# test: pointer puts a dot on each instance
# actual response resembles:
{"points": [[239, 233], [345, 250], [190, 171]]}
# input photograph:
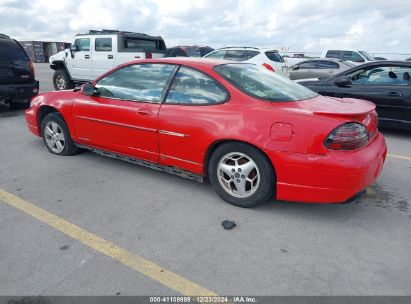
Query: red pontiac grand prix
{"points": [[255, 135]]}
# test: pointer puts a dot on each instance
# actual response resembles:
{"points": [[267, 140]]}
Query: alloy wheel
{"points": [[238, 174], [54, 137]]}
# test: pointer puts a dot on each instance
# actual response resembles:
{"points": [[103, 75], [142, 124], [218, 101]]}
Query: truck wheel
{"points": [[61, 80], [57, 136], [241, 174]]}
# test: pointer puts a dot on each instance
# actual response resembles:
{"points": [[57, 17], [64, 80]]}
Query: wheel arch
{"points": [[219, 142], [43, 112], [59, 65]]}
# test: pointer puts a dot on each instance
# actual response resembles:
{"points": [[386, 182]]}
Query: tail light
{"points": [[349, 136], [149, 55], [31, 66], [268, 67]]}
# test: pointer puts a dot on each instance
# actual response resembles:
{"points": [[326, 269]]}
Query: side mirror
{"points": [[88, 89], [342, 81], [73, 48], [295, 68]]}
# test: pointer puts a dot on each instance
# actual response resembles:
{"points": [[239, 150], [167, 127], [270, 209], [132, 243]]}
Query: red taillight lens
{"points": [[149, 55], [31, 65], [349, 136], [268, 67]]}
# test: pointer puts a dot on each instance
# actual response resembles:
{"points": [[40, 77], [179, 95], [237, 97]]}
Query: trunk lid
{"points": [[343, 109]]}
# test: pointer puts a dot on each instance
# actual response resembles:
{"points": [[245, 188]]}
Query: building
{"points": [[40, 51]]}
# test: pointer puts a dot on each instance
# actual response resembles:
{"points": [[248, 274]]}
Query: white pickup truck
{"points": [[97, 52]]}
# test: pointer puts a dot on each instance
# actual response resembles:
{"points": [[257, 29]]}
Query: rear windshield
{"points": [[10, 50], [261, 83], [274, 56], [134, 43]]}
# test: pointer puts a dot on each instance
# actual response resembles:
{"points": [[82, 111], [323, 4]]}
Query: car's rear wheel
{"points": [[61, 80], [57, 136], [241, 174]]}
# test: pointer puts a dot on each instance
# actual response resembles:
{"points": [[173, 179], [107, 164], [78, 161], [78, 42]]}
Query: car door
{"points": [[122, 116], [185, 119], [305, 70], [81, 60], [103, 55], [385, 85]]}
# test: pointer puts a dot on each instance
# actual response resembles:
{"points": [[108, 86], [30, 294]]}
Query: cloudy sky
{"points": [[300, 25]]}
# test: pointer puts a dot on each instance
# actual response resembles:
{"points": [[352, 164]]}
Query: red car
{"points": [[255, 135]]}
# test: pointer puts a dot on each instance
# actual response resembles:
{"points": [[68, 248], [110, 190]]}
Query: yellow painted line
{"points": [[146, 267], [399, 156]]}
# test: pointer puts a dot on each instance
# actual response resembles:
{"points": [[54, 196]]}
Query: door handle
{"points": [[394, 94], [144, 112], [87, 56], [110, 56]]}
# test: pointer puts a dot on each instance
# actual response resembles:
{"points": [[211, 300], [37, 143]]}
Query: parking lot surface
{"points": [[278, 248]]}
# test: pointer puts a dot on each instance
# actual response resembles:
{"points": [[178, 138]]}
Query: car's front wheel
{"points": [[241, 174], [57, 136]]}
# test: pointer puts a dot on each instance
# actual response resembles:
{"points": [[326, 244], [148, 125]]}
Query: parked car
{"points": [[318, 68], [17, 78], [97, 52], [385, 83], [188, 51], [255, 135], [268, 58], [355, 56]]}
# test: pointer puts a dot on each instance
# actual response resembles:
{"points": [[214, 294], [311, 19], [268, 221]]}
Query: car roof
{"points": [[385, 62], [250, 48], [4, 36]]}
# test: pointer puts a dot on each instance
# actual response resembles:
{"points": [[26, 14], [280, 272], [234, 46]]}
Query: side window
{"points": [[83, 44], [352, 56], [274, 56], [103, 44], [216, 55], [251, 54], [138, 44], [383, 75], [333, 54], [236, 55], [307, 65], [192, 87], [140, 82], [327, 65]]}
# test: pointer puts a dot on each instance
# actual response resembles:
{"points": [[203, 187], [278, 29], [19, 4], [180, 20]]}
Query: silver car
{"points": [[318, 68]]}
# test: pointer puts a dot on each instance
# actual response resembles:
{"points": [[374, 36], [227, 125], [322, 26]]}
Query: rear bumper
{"points": [[332, 178], [19, 92]]}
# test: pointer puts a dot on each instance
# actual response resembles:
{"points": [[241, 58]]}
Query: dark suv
{"points": [[17, 82]]}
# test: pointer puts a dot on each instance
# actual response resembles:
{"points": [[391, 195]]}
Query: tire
{"points": [[56, 135], [61, 80], [19, 105], [253, 172]]}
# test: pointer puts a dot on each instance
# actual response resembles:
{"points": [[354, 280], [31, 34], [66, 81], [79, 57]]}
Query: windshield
{"points": [[261, 83], [367, 56]]}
